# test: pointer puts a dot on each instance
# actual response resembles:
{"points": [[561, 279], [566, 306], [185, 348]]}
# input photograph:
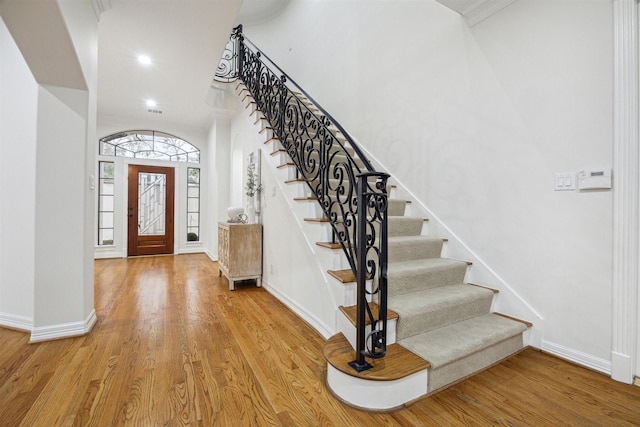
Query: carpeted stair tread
{"points": [[416, 275], [404, 225], [438, 307], [396, 207], [407, 248], [453, 342]]}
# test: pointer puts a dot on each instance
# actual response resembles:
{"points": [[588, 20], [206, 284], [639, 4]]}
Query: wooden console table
{"points": [[240, 252]]}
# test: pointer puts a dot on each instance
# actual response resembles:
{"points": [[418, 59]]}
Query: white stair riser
{"points": [[377, 395], [471, 364]]}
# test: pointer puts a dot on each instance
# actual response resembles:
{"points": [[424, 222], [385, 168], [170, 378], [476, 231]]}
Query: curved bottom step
{"points": [[400, 377], [463, 348]]}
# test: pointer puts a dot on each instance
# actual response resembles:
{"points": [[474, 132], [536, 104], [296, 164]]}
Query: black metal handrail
{"points": [[353, 195]]}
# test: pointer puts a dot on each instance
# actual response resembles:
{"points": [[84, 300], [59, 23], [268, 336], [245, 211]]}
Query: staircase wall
{"points": [[292, 269], [474, 123]]}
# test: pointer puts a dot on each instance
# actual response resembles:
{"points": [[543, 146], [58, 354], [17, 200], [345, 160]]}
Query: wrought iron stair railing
{"points": [[352, 194]]}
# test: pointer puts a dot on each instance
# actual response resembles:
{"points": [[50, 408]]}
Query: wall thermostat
{"points": [[595, 179]]}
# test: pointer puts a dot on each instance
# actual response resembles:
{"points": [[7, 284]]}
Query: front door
{"points": [[150, 210]]}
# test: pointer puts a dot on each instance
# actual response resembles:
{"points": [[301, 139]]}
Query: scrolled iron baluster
{"points": [[229, 66], [356, 207]]}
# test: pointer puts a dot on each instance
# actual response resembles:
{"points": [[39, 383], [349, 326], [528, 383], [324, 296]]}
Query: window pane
{"points": [[106, 203], [193, 205], [105, 236], [121, 152], [106, 169], [106, 219], [193, 176], [148, 144], [151, 203], [106, 187], [193, 220], [192, 234], [107, 149], [193, 191]]}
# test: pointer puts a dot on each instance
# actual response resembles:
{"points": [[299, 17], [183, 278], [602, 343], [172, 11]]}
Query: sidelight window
{"points": [[193, 204], [105, 203]]}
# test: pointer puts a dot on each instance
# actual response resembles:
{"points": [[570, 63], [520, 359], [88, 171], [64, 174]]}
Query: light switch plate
{"points": [[565, 181]]}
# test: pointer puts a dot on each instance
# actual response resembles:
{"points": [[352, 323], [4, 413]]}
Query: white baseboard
{"points": [[63, 330], [108, 253], [20, 323], [192, 249], [211, 256], [313, 321], [572, 355]]}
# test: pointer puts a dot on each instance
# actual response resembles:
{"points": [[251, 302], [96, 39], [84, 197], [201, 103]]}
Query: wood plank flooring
{"points": [[173, 346]]}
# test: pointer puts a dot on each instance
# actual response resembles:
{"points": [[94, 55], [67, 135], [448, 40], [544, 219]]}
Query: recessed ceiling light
{"points": [[151, 103], [144, 59]]}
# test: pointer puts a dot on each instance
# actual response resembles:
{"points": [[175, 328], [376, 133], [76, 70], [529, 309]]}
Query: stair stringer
{"points": [[301, 292]]}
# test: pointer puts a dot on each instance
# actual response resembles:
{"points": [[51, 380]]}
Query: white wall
{"points": [[61, 122], [475, 122], [82, 25], [60, 216], [18, 105]]}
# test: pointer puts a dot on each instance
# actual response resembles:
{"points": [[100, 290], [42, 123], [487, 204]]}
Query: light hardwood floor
{"points": [[173, 346]]}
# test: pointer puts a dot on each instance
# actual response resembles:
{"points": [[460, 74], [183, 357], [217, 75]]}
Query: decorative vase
{"points": [[251, 212]]}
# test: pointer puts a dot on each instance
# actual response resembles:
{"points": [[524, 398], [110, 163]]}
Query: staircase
{"points": [[440, 329]]}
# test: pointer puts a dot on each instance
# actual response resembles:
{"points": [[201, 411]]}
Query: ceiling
{"points": [[184, 40]]}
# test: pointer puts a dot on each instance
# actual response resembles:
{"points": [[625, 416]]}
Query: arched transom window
{"points": [[149, 144]]}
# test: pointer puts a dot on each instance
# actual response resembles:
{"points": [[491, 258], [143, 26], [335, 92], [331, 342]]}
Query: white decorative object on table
{"points": [[235, 214]]}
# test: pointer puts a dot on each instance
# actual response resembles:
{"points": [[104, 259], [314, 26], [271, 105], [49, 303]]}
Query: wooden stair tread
{"points": [[294, 181], [260, 118], [316, 219], [495, 291], [305, 199], [285, 165], [330, 245], [351, 313], [278, 151], [527, 323], [343, 276], [398, 362]]}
